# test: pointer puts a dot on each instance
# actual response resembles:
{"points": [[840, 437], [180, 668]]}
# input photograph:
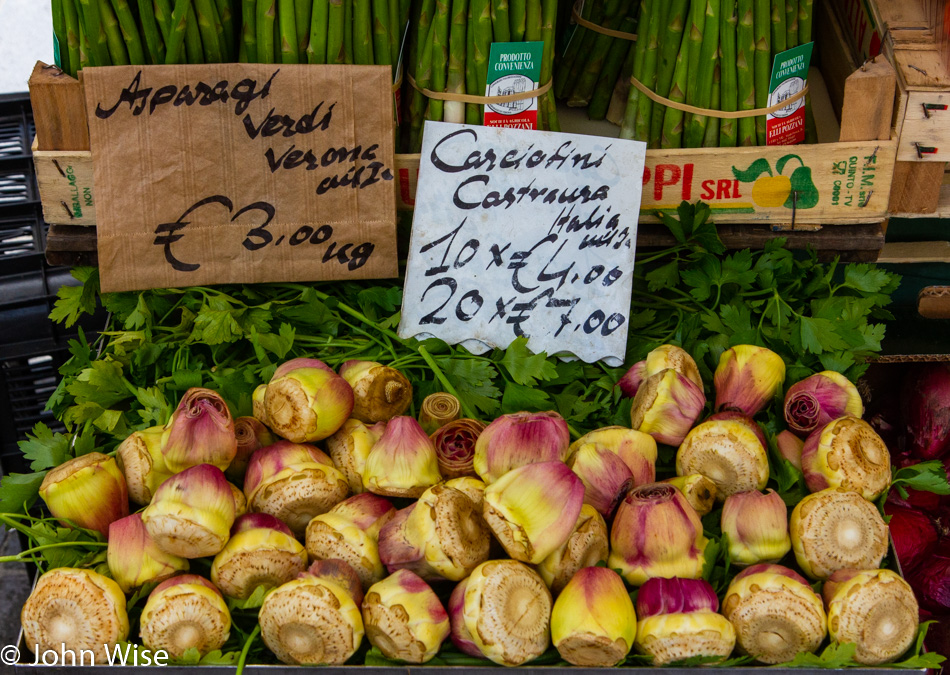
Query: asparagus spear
{"points": [[745, 50], [672, 136], [363, 36], [517, 14], [481, 21], [98, 49], [130, 32], [395, 34], [85, 49], [584, 85], [711, 137], [417, 102], [335, 22], [423, 81], [154, 45], [639, 57], [778, 27], [175, 42], [791, 24], [319, 20], [642, 118], [381, 31], [249, 29], [471, 81], [671, 31], [455, 82], [59, 32], [572, 52], [549, 9], [266, 15], [728, 92], [762, 63], [695, 29], [695, 130], [118, 53], [207, 20], [302, 11], [194, 51], [226, 23], [566, 78], [440, 57], [804, 21], [163, 15], [348, 32], [613, 64], [500, 21], [73, 25]]}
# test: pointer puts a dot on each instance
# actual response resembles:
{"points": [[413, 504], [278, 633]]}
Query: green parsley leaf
{"points": [[18, 491], [518, 397], [44, 449], [527, 368], [473, 380], [833, 656], [666, 276], [818, 335]]}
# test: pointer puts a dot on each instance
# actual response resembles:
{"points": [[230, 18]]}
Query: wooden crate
{"points": [[900, 30], [849, 182]]}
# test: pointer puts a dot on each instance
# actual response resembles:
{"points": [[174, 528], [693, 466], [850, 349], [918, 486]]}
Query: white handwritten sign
{"points": [[524, 233]]}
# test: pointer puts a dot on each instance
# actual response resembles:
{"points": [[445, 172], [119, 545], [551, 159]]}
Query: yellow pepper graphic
{"points": [[775, 189]]}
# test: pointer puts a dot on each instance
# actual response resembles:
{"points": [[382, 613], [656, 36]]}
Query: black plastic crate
{"points": [[22, 230]]}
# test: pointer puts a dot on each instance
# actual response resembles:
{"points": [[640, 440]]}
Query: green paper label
{"points": [[513, 68], [789, 75]]}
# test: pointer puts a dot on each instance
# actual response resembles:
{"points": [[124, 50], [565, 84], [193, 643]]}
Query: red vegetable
{"points": [[914, 535], [931, 581], [926, 411]]}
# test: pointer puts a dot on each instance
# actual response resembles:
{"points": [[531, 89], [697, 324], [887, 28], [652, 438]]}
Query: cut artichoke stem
{"points": [[507, 612], [140, 458], [728, 453], [404, 619], [874, 609], [775, 613], [332, 536], [293, 483], [185, 612], [452, 533], [308, 403], [350, 446], [191, 513], [593, 622], [257, 557], [379, 392], [847, 453], [678, 636], [837, 529], [311, 620], [75, 610], [473, 488], [587, 546]]}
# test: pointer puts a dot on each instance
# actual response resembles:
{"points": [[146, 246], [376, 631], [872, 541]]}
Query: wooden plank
{"points": [[59, 109], [943, 204], [925, 135], [65, 180], [868, 108], [915, 187], [921, 68], [909, 252]]}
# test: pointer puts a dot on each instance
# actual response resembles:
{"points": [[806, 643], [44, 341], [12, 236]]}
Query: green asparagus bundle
{"points": [[708, 54], [591, 62], [449, 47], [144, 32]]}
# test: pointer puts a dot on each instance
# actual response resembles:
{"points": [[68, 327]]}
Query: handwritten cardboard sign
{"points": [[239, 173], [524, 233]]}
